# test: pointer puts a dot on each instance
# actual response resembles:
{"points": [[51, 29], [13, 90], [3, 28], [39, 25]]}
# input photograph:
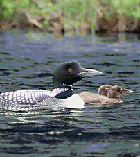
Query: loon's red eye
{"points": [[70, 70]]}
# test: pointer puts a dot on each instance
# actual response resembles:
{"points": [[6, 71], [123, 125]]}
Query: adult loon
{"points": [[61, 96], [107, 95]]}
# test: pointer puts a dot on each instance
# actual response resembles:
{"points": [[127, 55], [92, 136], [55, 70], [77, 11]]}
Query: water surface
{"points": [[28, 58]]}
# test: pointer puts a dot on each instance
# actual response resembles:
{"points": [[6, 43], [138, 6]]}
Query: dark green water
{"points": [[27, 61]]}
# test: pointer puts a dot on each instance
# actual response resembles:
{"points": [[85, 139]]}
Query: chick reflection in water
{"points": [[107, 95]]}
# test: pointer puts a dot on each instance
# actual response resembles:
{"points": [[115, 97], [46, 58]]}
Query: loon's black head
{"points": [[70, 72]]}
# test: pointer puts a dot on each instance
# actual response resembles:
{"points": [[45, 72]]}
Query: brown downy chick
{"points": [[107, 94], [116, 92], [103, 90]]}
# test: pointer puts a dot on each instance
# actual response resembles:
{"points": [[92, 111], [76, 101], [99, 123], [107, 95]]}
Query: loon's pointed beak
{"points": [[89, 72]]}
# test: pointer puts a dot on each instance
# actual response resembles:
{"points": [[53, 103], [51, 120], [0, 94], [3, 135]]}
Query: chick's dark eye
{"points": [[107, 89]]}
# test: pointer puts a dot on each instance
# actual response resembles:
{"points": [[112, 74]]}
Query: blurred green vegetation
{"points": [[128, 7], [75, 11]]}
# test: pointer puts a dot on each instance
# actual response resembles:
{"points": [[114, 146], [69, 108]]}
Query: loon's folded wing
{"points": [[27, 100]]}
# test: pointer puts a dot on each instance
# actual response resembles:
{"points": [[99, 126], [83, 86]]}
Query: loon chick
{"points": [[107, 94], [103, 90], [61, 96]]}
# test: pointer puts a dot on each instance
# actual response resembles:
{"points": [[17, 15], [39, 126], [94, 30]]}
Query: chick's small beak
{"points": [[129, 91]]}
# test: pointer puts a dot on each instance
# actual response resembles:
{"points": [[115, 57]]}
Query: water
{"points": [[28, 58]]}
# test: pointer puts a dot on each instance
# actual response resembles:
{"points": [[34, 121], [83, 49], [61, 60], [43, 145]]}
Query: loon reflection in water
{"points": [[61, 96]]}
